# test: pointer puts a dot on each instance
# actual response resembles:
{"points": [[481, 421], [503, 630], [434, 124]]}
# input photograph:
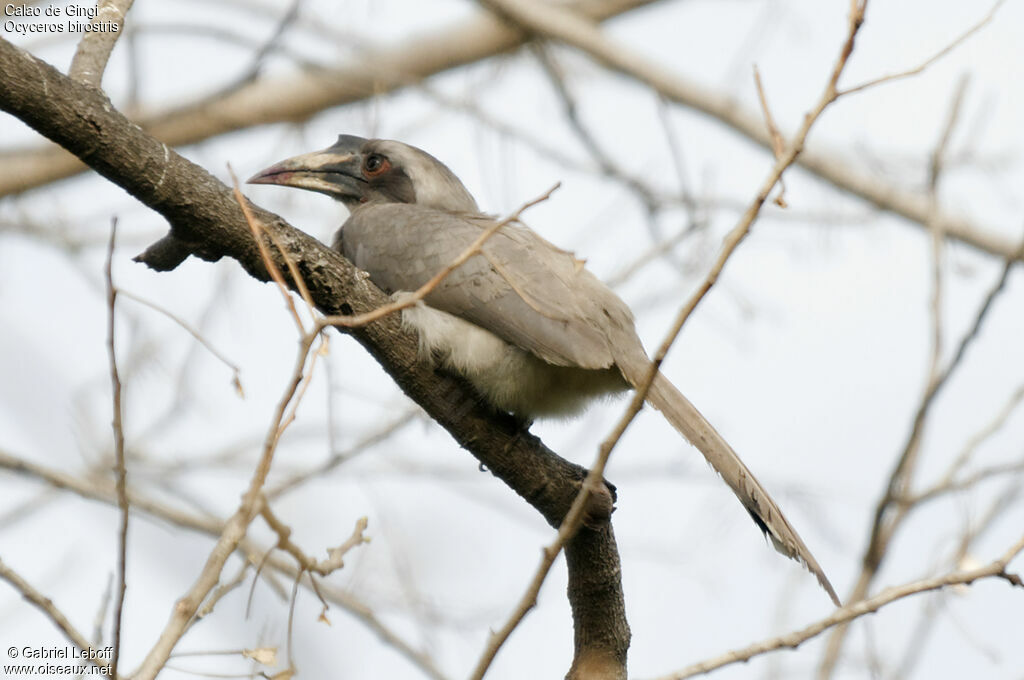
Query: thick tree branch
{"points": [[206, 221], [299, 96], [384, 70]]}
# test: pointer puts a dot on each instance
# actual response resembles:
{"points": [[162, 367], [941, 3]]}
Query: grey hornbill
{"points": [[530, 328]]}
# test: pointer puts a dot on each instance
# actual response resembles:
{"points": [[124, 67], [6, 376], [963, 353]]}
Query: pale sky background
{"points": [[810, 355]]}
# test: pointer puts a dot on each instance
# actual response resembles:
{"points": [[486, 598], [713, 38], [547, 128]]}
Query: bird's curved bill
{"points": [[335, 171]]}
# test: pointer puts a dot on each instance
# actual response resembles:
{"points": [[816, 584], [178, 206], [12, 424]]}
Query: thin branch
{"points": [[263, 656], [308, 337], [932, 59], [940, 154], [778, 144], [336, 459], [236, 371], [965, 455], [209, 223], [291, 620], [936, 167], [600, 157], [965, 483], [675, 153], [220, 591], [307, 379], [786, 159], [293, 270], [410, 299], [100, 490], [101, 611], [256, 227], [889, 512], [45, 605], [234, 530], [897, 481], [995, 569], [558, 23], [90, 60], [121, 469], [570, 525], [306, 563], [385, 69], [273, 43], [376, 71]]}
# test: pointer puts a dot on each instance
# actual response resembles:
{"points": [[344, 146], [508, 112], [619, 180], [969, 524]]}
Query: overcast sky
{"points": [[810, 355]]}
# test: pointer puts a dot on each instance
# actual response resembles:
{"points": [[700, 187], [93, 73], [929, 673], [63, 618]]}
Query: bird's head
{"points": [[357, 171]]}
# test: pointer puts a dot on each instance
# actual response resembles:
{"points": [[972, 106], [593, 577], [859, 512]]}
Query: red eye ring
{"points": [[375, 165]]}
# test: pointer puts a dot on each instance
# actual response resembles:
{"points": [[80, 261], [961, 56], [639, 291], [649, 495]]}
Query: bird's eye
{"points": [[375, 164]]}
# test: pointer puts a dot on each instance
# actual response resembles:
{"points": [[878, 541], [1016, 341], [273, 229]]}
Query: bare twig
{"points": [[264, 656], [235, 370], [258, 231], [122, 472], [889, 512], [293, 270], [410, 299], [674, 150], [375, 72], [629, 269], [932, 59], [936, 167], [273, 43], [570, 525], [101, 490], [233, 532], [556, 22], [995, 569], [336, 459], [307, 379], [220, 591], [308, 338], [382, 70], [101, 611], [236, 527], [334, 560], [940, 154], [46, 606], [962, 459], [947, 486], [291, 620], [778, 144], [787, 158], [90, 60], [604, 161]]}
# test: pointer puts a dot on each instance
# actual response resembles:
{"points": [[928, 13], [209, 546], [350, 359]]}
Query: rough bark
{"points": [[299, 96], [206, 221]]}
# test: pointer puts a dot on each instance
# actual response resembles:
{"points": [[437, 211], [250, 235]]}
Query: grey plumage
{"points": [[533, 330]]}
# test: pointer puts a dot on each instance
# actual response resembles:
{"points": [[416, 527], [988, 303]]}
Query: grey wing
{"points": [[523, 289]]}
